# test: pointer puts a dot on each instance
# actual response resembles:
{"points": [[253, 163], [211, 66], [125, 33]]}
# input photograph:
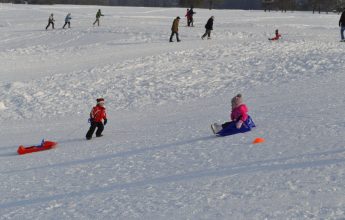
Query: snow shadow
{"points": [[8, 151], [110, 156], [186, 177], [9, 154], [9, 148], [69, 141]]}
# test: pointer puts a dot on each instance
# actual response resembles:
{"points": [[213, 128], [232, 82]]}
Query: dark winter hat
{"points": [[178, 17], [100, 100]]}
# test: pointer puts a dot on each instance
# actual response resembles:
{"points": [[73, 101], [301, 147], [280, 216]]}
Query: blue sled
{"points": [[231, 128]]}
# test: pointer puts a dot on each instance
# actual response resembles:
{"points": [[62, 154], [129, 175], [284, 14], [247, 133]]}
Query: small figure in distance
{"points": [[67, 20], [174, 29], [190, 17], [209, 28], [51, 21], [277, 37], [98, 15]]}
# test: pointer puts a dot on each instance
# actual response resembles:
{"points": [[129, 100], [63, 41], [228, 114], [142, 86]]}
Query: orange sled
{"points": [[46, 145]]}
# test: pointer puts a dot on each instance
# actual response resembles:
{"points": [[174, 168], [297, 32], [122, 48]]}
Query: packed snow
{"points": [[158, 158]]}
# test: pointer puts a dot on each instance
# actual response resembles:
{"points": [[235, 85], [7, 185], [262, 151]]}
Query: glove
{"points": [[239, 124], [105, 121]]}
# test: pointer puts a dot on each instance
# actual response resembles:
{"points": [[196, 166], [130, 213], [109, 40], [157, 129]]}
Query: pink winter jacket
{"points": [[239, 113]]}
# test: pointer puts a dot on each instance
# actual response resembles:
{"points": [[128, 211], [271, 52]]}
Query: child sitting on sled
{"points": [[240, 120], [277, 37], [98, 118]]}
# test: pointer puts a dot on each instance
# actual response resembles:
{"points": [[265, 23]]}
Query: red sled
{"points": [[45, 145]]}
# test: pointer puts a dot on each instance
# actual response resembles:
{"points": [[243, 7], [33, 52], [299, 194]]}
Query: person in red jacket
{"points": [[98, 118]]}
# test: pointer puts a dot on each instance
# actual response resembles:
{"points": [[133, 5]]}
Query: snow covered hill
{"points": [[158, 158]]}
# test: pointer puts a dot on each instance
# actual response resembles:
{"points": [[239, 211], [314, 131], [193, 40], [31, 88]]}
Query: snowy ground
{"points": [[158, 158]]}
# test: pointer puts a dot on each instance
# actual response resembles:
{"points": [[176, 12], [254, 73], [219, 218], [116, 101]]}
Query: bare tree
{"points": [[187, 3], [267, 4], [213, 2]]}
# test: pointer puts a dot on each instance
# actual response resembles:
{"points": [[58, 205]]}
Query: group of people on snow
{"points": [[190, 23], [51, 20], [174, 28]]}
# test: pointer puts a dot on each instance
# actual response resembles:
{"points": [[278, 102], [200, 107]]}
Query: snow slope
{"points": [[158, 158]]}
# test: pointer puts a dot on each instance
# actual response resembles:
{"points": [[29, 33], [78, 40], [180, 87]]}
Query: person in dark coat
{"points": [[98, 16], [174, 29], [51, 21], [209, 28], [342, 26]]}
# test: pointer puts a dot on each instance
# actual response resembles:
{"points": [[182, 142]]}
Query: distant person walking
{"points": [[209, 28], [98, 15], [190, 18], [67, 20], [51, 21], [342, 26], [174, 29]]}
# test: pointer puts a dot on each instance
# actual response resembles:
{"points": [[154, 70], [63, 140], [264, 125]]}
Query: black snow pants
{"points": [[94, 125], [207, 33], [69, 24], [172, 35], [49, 25]]}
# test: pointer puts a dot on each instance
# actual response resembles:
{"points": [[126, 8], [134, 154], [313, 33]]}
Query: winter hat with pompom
{"points": [[236, 101], [100, 100]]}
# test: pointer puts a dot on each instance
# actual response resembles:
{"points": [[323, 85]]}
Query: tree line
{"points": [[307, 5], [153, 3], [317, 6]]}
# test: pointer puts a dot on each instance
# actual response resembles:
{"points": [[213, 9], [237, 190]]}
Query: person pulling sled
{"points": [[240, 121], [98, 118]]}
